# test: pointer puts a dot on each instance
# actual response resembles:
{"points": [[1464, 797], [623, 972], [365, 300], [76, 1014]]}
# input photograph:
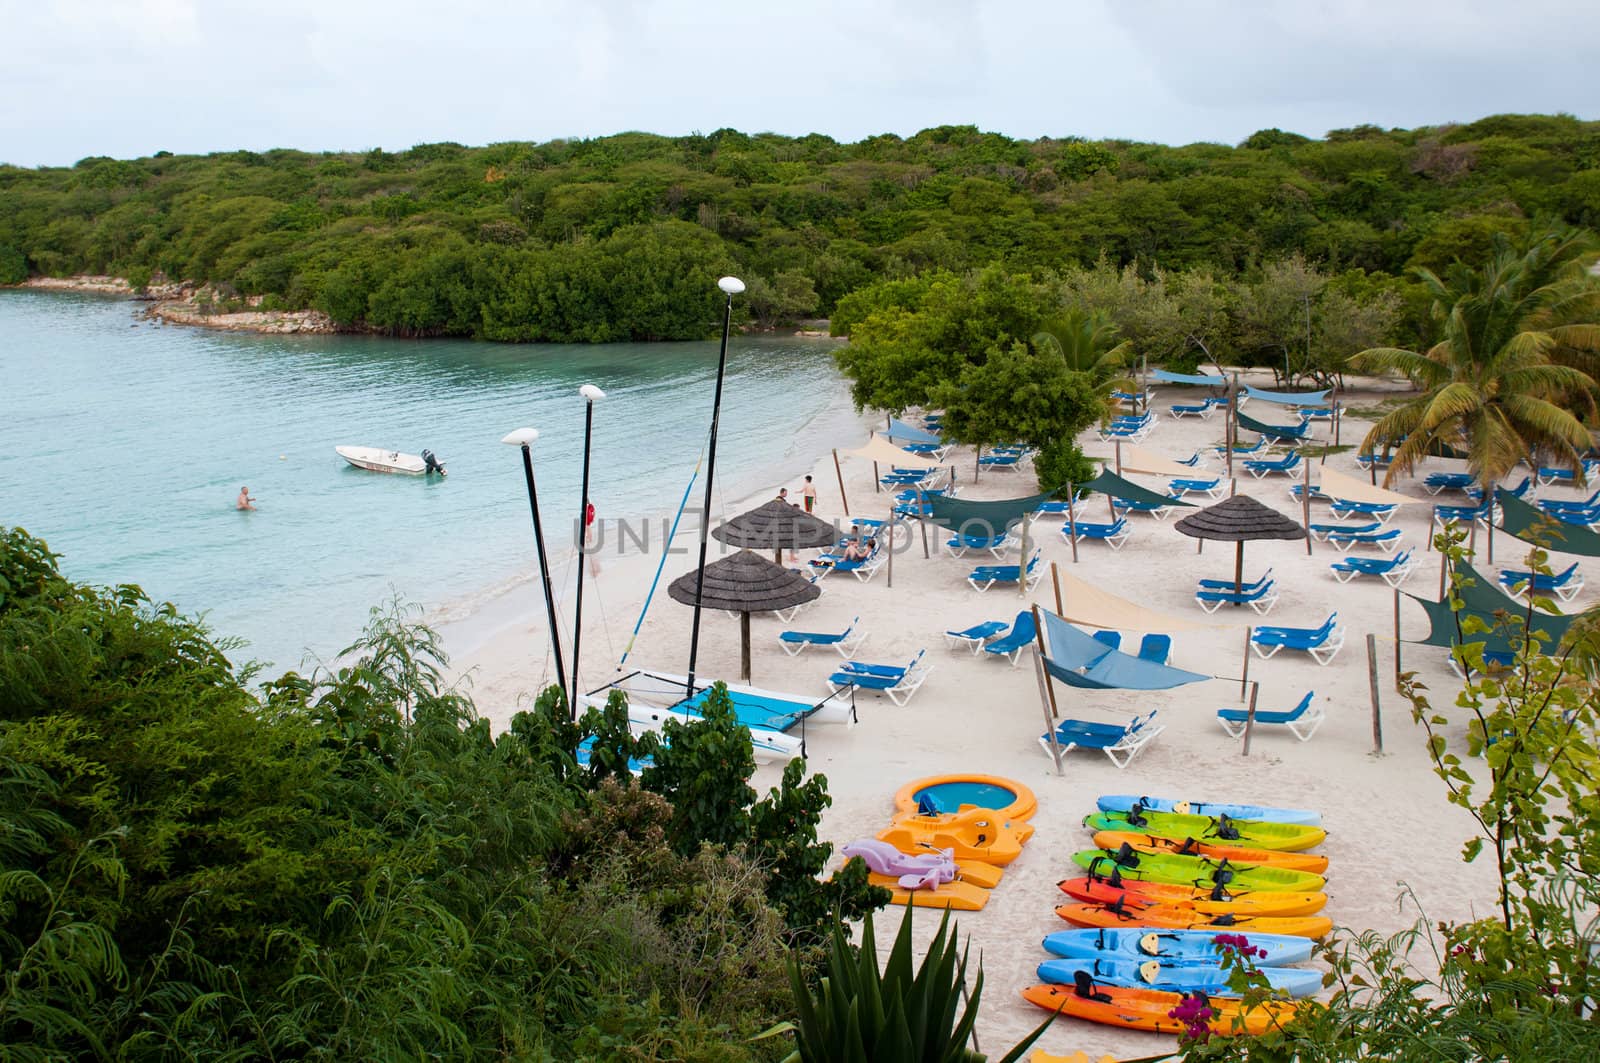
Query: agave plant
{"points": [[1499, 382], [908, 1013]]}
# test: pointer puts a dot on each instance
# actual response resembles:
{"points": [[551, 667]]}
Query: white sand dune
{"points": [[1387, 818]]}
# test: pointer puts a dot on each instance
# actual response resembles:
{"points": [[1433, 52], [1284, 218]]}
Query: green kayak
{"points": [[1198, 871], [1254, 833]]}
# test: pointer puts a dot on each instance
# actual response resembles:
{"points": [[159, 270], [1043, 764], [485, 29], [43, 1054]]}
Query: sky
{"points": [[127, 78]]}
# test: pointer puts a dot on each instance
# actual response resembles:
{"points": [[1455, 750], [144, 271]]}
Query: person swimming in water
{"points": [[244, 501]]}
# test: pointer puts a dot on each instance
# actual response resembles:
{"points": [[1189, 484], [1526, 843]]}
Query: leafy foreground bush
{"points": [[351, 866]]}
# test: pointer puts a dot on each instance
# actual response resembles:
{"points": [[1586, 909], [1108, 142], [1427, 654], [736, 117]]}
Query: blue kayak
{"points": [[1153, 974], [1124, 802], [1173, 947]]}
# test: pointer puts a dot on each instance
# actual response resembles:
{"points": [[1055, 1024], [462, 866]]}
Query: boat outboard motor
{"points": [[432, 464]]}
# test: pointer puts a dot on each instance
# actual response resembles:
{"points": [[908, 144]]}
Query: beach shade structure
{"points": [[1481, 599], [777, 526], [1210, 380], [987, 519], [1238, 520], [1529, 524], [1288, 398], [743, 583], [905, 433]]}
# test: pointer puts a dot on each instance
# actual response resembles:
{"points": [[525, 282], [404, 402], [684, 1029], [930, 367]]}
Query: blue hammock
{"points": [[1078, 659]]}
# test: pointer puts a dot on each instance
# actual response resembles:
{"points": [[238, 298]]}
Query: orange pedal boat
{"points": [[972, 833], [1148, 1009], [1210, 902]]}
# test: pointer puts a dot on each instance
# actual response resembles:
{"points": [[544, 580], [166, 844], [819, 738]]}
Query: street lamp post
{"points": [[730, 286], [524, 438], [591, 394]]}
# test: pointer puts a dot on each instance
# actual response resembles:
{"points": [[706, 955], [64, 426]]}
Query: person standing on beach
{"points": [[809, 493], [244, 501]]}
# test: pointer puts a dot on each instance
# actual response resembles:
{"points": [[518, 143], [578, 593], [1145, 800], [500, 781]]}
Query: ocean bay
{"points": [[126, 442]]}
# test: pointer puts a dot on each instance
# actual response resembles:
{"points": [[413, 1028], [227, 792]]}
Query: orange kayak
{"points": [[1239, 854], [1170, 917], [1148, 1009], [1145, 894]]}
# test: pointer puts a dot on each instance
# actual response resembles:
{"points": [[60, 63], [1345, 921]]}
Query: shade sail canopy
{"points": [[1205, 379], [906, 433], [1275, 431], [883, 452], [1351, 489], [1288, 398], [1079, 660], [1109, 483], [777, 525], [982, 518], [1084, 603], [1238, 519], [746, 582], [1138, 459], [1482, 599], [1533, 526]]}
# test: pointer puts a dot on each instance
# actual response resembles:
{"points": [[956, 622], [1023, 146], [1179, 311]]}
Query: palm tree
{"points": [[1087, 341], [1514, 336]]}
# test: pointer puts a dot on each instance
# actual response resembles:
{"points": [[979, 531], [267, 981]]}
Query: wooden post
{"points": [[1397, 639], [888, 543], [840, 474], [1022, 561], [876, 476], [1250, 719], [1117, 449], [1055, 578], [1233, 486], [1337, 410], [744, 646], [922, 518], [1230, 431], [1444, 563], [1072, 522], [1305, 505], [1244, 675], [1047, 694], [1490, 528], [1372, 685]]}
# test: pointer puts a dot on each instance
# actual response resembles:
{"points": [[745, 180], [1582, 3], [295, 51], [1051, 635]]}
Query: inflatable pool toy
{"points": [[1124, 802], [1171, 917], [961, 896], [885, 859], [1210, 901], [949, 793], [1174, 978], [1149, 1009], [1197, 871], [1254, 833], [971, 834], [1155, 843], [1171, 946]]}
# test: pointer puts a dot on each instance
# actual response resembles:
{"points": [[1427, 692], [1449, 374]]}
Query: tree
{"points": [[1491, 384]]}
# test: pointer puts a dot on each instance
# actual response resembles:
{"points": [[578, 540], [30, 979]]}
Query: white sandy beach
{"points": [[1387, 817]]}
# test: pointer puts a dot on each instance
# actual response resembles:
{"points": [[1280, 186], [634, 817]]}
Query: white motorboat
{"points": [[379, 460]]}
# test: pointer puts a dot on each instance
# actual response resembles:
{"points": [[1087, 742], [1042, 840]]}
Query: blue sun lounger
{"points": [[976, 636], [1322, 643], [1565, 585], [1481, 513], [1380, 511], [1393, 570], [1302, 720], [846, 641], [1320, 532], [1261, 598], [1113, 534], [985, 576], [1019, 638], [1435, 482], [1551, 474], [1386, 540], [958, 545], [1009, 462], [1158, 510], [1264, 467], [1155, 647], [1211, 488], [1227, 584], [1120, 743], [897, 682], [1553, 505], [1375, 461]]}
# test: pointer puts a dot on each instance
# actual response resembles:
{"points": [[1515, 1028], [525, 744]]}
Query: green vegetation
{"points": [[351, 866], [620, 237], [1519, 346]]}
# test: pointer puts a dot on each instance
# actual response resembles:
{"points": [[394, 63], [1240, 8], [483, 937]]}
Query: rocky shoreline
{"points": [[188, 303]]}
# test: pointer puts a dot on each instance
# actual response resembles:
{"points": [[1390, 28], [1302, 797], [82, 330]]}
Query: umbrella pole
{"points": [[1072, 522], [876, 486], [1118, 451], [1055, 578], [840, 474], [744, 646], [1305, 505], [1397, 671], [1238, 570], [1022, 562], [888, 543]]}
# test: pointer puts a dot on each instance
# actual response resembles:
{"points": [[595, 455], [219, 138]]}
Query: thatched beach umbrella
{"points": [[1237, 520], [745, 583], [777, 526]]}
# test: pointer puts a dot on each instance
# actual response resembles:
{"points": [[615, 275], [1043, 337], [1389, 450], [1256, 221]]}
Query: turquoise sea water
{"points": [[123, 444]]}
